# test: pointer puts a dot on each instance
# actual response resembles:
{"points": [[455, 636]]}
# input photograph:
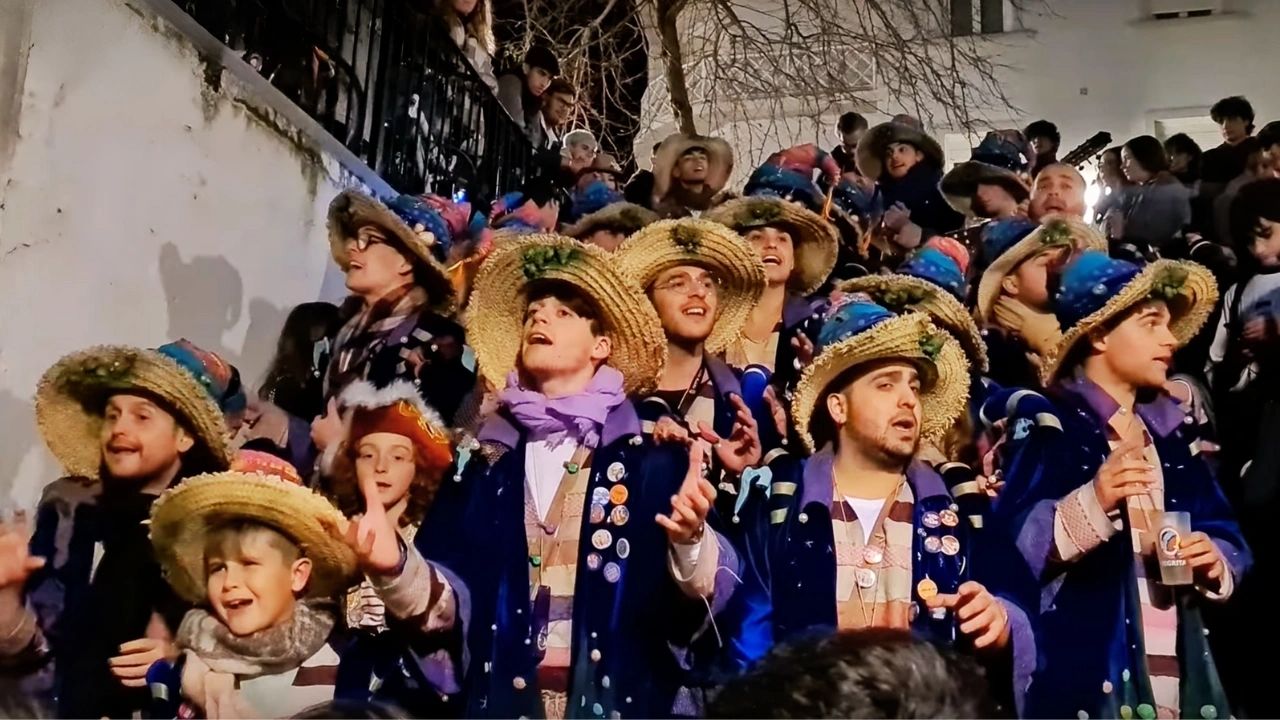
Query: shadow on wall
{"points": [[205, 297], [18, 418]]}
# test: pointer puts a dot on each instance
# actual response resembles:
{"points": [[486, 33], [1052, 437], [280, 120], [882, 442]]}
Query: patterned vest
{"points": [[873, 580]]}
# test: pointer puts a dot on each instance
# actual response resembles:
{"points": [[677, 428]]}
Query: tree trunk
{"points": [[668, 12]]}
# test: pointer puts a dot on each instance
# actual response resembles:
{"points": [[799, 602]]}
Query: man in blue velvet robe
{"points": [[1089, 474], [861, 535], [566, 568]]}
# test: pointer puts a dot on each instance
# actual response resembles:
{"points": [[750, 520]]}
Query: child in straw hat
{"points": [[83, 608], [257, 554], [386, 472], [861, 535], [569, 551], [1088, 479]]}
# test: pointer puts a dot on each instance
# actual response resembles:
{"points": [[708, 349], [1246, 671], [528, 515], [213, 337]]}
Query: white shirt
{"points": [[544, 469], [868, 511]]}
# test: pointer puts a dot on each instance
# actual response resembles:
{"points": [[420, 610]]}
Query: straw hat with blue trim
{"points": [[857, 331], [1094, 289], [71, 398], [1006, 244]]}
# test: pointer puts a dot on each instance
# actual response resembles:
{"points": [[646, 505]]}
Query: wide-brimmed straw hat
{"points": [[495, 323], [668, 243], [1009, 243], [71, 398], [872, 146], [816, 242], [182, 518], [1095, 288], [719, 161], [858, 331], [415, 224], [931, 282], [624, 218], [997, 160]]}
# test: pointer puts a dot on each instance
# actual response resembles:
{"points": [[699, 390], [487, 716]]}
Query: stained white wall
{"points": [[146, 193]]}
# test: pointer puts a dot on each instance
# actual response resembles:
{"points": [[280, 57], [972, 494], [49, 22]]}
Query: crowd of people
{"points": [[870, 438]]}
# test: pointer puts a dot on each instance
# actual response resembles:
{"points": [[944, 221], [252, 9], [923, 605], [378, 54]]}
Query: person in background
{"points": [[557, 106], [520, 90], [907, 165], [878, 673], [1044, 139], [1269, 139], [295, 378], [1115, 187], [84, 608], [609, 226], [1058, 190], [990, 184], [470, 26], [851, 127], [1087, 482], [689, 172], [1254, 168], [1221, 165], [1157, 206], [1184, 159]]}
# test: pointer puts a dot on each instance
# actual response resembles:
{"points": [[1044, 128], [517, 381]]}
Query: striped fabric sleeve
{"points": [[419, 591], [1080, 524]]}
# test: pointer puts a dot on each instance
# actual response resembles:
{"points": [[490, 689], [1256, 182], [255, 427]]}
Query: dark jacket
{"points": [[630, 637], [1089, 611], [918, 190], [639, 189]]}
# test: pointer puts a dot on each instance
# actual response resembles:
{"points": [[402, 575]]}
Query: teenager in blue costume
{"points": [[862, 534], [907, 166], [1014, 310], [703, 279], [1086, 479], [567, 566], [798, 249], [84, 610], [993, 183]]}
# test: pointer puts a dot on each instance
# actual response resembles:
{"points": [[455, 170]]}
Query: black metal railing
{"points": [[385, 79]]}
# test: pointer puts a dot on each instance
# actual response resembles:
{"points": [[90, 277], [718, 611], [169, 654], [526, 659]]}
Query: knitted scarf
{"points": [[366, 334], [268, 652], [578, 417]]}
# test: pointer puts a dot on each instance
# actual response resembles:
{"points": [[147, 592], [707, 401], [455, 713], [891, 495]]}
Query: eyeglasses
{"points": [[687, 285], [365, 237]]}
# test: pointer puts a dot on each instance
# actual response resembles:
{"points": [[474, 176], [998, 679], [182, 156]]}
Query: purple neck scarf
{"points": [[577, 417]]}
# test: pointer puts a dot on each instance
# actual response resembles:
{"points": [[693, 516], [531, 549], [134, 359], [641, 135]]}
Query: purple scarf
{"points": [[578, 417]]}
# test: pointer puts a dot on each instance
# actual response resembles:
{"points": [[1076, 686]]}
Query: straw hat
{"points": [[182, 518], [1096, 288], [416, 225], [624, 217], [1008, 243], [719, 161], [872, 146], [495, 322], [816, 242], [997, 160], [930, 282], [71, 398], [668, 243], [857, 332]]}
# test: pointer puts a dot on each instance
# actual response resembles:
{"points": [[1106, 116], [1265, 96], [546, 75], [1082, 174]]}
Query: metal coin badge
{"points": [[932, 544], [601, 539], [926, 589], [950, 544], [615, 472], [865, 578], [949, 518], [931, 520]]}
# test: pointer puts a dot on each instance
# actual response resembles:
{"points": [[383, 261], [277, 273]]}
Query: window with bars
{"points": [[979, 17]]}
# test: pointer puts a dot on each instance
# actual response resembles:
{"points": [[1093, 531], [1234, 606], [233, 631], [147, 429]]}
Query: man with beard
{"points": [[573, 558], [1088, 482], [861, 535], [84, 610], [1058, 190]]}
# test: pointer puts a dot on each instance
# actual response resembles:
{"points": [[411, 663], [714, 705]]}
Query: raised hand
{"points": [[690, 506], [669, 430], [980, 615], [16, 562], [742, 449], [371, 536], [1124, 475], [326, 430], [803, 348]]}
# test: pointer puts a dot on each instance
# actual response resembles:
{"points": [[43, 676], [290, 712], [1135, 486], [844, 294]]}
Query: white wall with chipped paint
{"points": [[147, 193]]}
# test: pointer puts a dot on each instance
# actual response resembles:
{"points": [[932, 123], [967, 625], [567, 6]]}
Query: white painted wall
{"points": [[1092, 65], [141, 203]]}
